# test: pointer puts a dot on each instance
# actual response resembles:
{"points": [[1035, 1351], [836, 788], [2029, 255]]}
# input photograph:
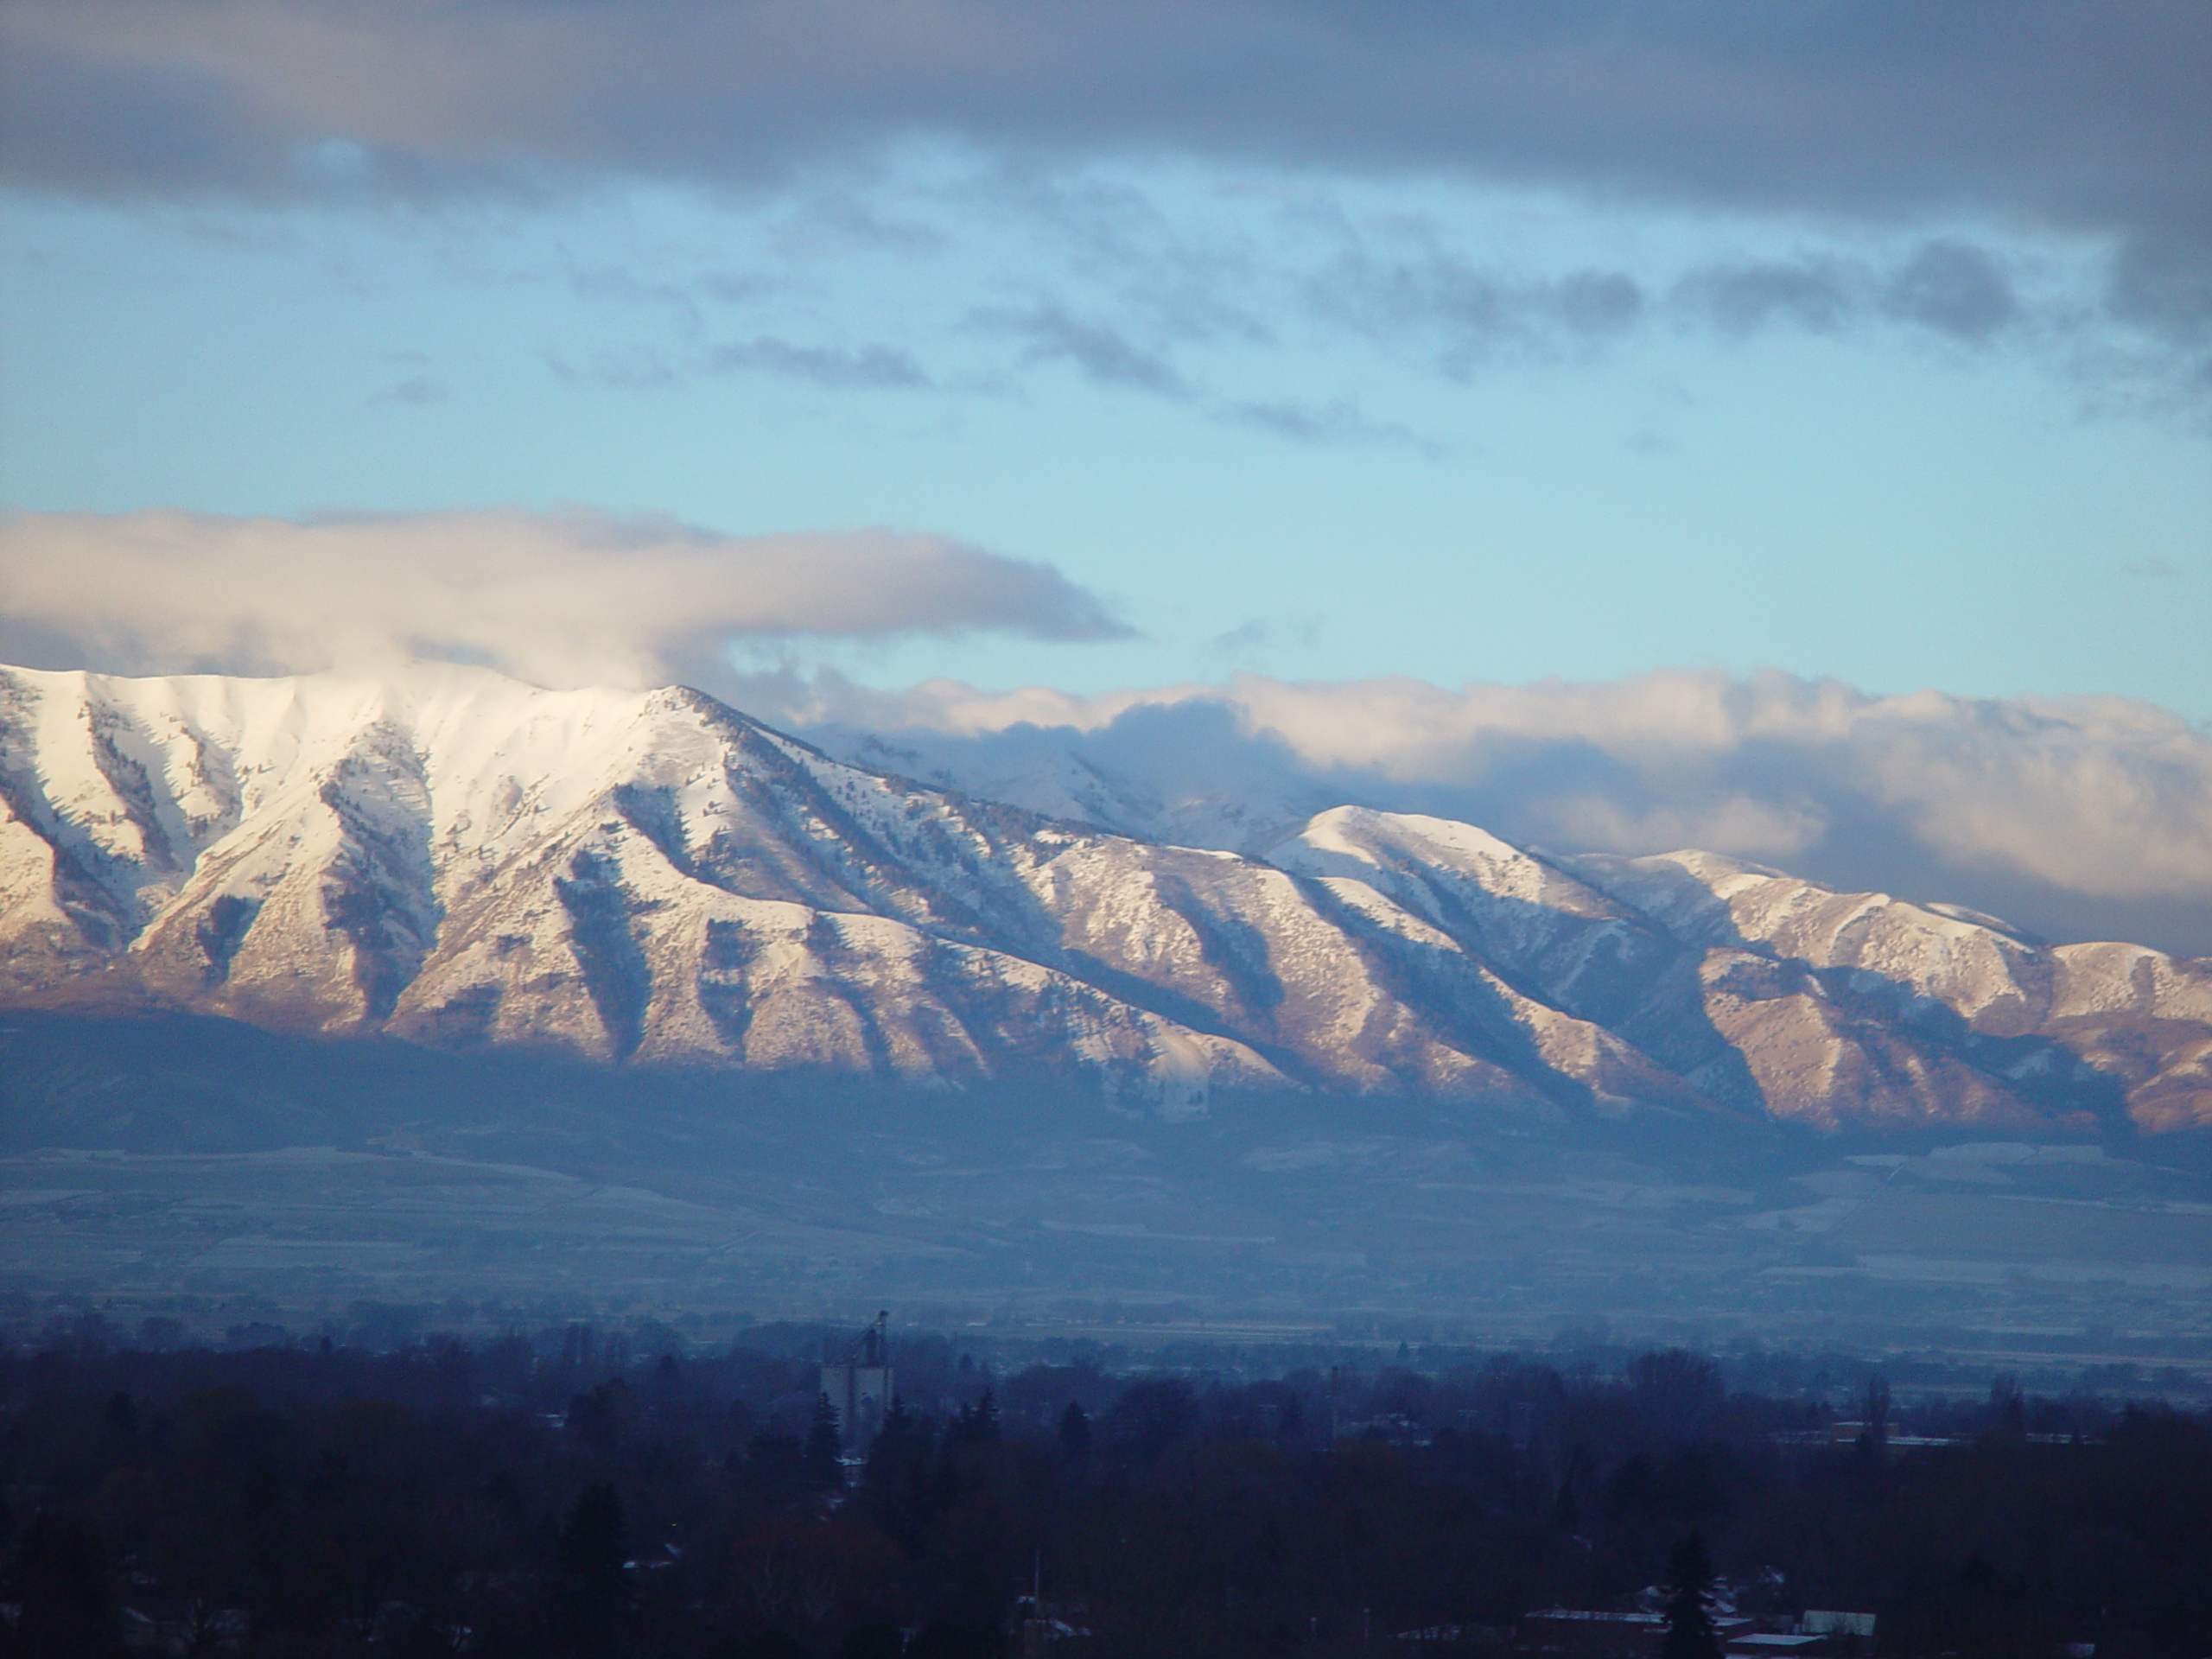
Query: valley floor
{"points": [[182, 1178]]}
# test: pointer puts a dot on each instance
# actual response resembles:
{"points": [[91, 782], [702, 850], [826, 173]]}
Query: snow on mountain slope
{"points": [[1957, 986], [455, 858], [1576, 948], [1922, 959]]}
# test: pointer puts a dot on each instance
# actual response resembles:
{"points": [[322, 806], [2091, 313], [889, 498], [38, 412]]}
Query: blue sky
{"points": [[1319, 426]]}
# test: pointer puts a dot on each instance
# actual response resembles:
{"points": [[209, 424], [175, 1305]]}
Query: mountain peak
{"points": [[452, 857]]}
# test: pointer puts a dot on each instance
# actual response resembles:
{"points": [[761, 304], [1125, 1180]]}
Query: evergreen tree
{"points": [[900, 1444], [592, 1545], [823, 1443], [895, 1482], [59, 1587], [1690, 1595], [593, 1585], [975, 1425], [1075, 1432]]}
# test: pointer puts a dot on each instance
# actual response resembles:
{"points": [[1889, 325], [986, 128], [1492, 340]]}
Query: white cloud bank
{"points": [[2078, 817], [566, 598]]}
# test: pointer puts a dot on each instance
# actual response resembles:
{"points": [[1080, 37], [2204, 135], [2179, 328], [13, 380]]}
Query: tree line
{"points": [[571, 1494]]}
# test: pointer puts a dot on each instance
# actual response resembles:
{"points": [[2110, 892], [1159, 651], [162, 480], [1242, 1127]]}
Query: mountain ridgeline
{"points": [[460, 861]]}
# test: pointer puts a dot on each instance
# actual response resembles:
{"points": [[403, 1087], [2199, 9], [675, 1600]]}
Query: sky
{"points": [[826, 351]]}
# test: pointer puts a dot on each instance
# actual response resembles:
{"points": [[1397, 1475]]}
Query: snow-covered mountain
{"points": [[455, 858]]}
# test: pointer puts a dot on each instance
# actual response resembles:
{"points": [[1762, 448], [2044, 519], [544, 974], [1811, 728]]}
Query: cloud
{"points": [[2041, 112], [873, 367], [636, 368], [1597, 301], [416, 391], [2078, 817], [1459, 313], [1102, 354], [1338, 420], [1816, 295], [1945, 284], [1954, 289], [2164, 281], [865, 368], [1463, 314], [565, 598], [1263, 636]]}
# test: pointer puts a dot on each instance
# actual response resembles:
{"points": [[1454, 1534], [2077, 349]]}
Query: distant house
{"points": [[1821, 1622], [1572, 1631], [1818, 1634]]}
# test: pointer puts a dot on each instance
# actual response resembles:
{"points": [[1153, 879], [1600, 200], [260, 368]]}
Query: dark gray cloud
{"points": [[1463, 315], [2050, 113], [1946, 285], [1597, 301], [1954, 289], [1466, 306], [2164, 283], [1816, 295]]}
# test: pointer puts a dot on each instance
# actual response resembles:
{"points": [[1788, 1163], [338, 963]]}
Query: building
{"points": [[858, 1383], [1593, 1635], [1820, 1621]]}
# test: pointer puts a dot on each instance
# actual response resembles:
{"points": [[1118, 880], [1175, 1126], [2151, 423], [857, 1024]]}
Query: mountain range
{"points": [[454, 859]]}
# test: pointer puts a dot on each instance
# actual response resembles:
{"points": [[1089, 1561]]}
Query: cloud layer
{"points": [[2082, 818], [561, 599], [2041, 112], [2078, 818]]}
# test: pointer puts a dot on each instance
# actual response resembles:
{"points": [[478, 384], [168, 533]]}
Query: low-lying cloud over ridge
{"points": [[2088, 817], [569, 597], [2083, 817]]}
